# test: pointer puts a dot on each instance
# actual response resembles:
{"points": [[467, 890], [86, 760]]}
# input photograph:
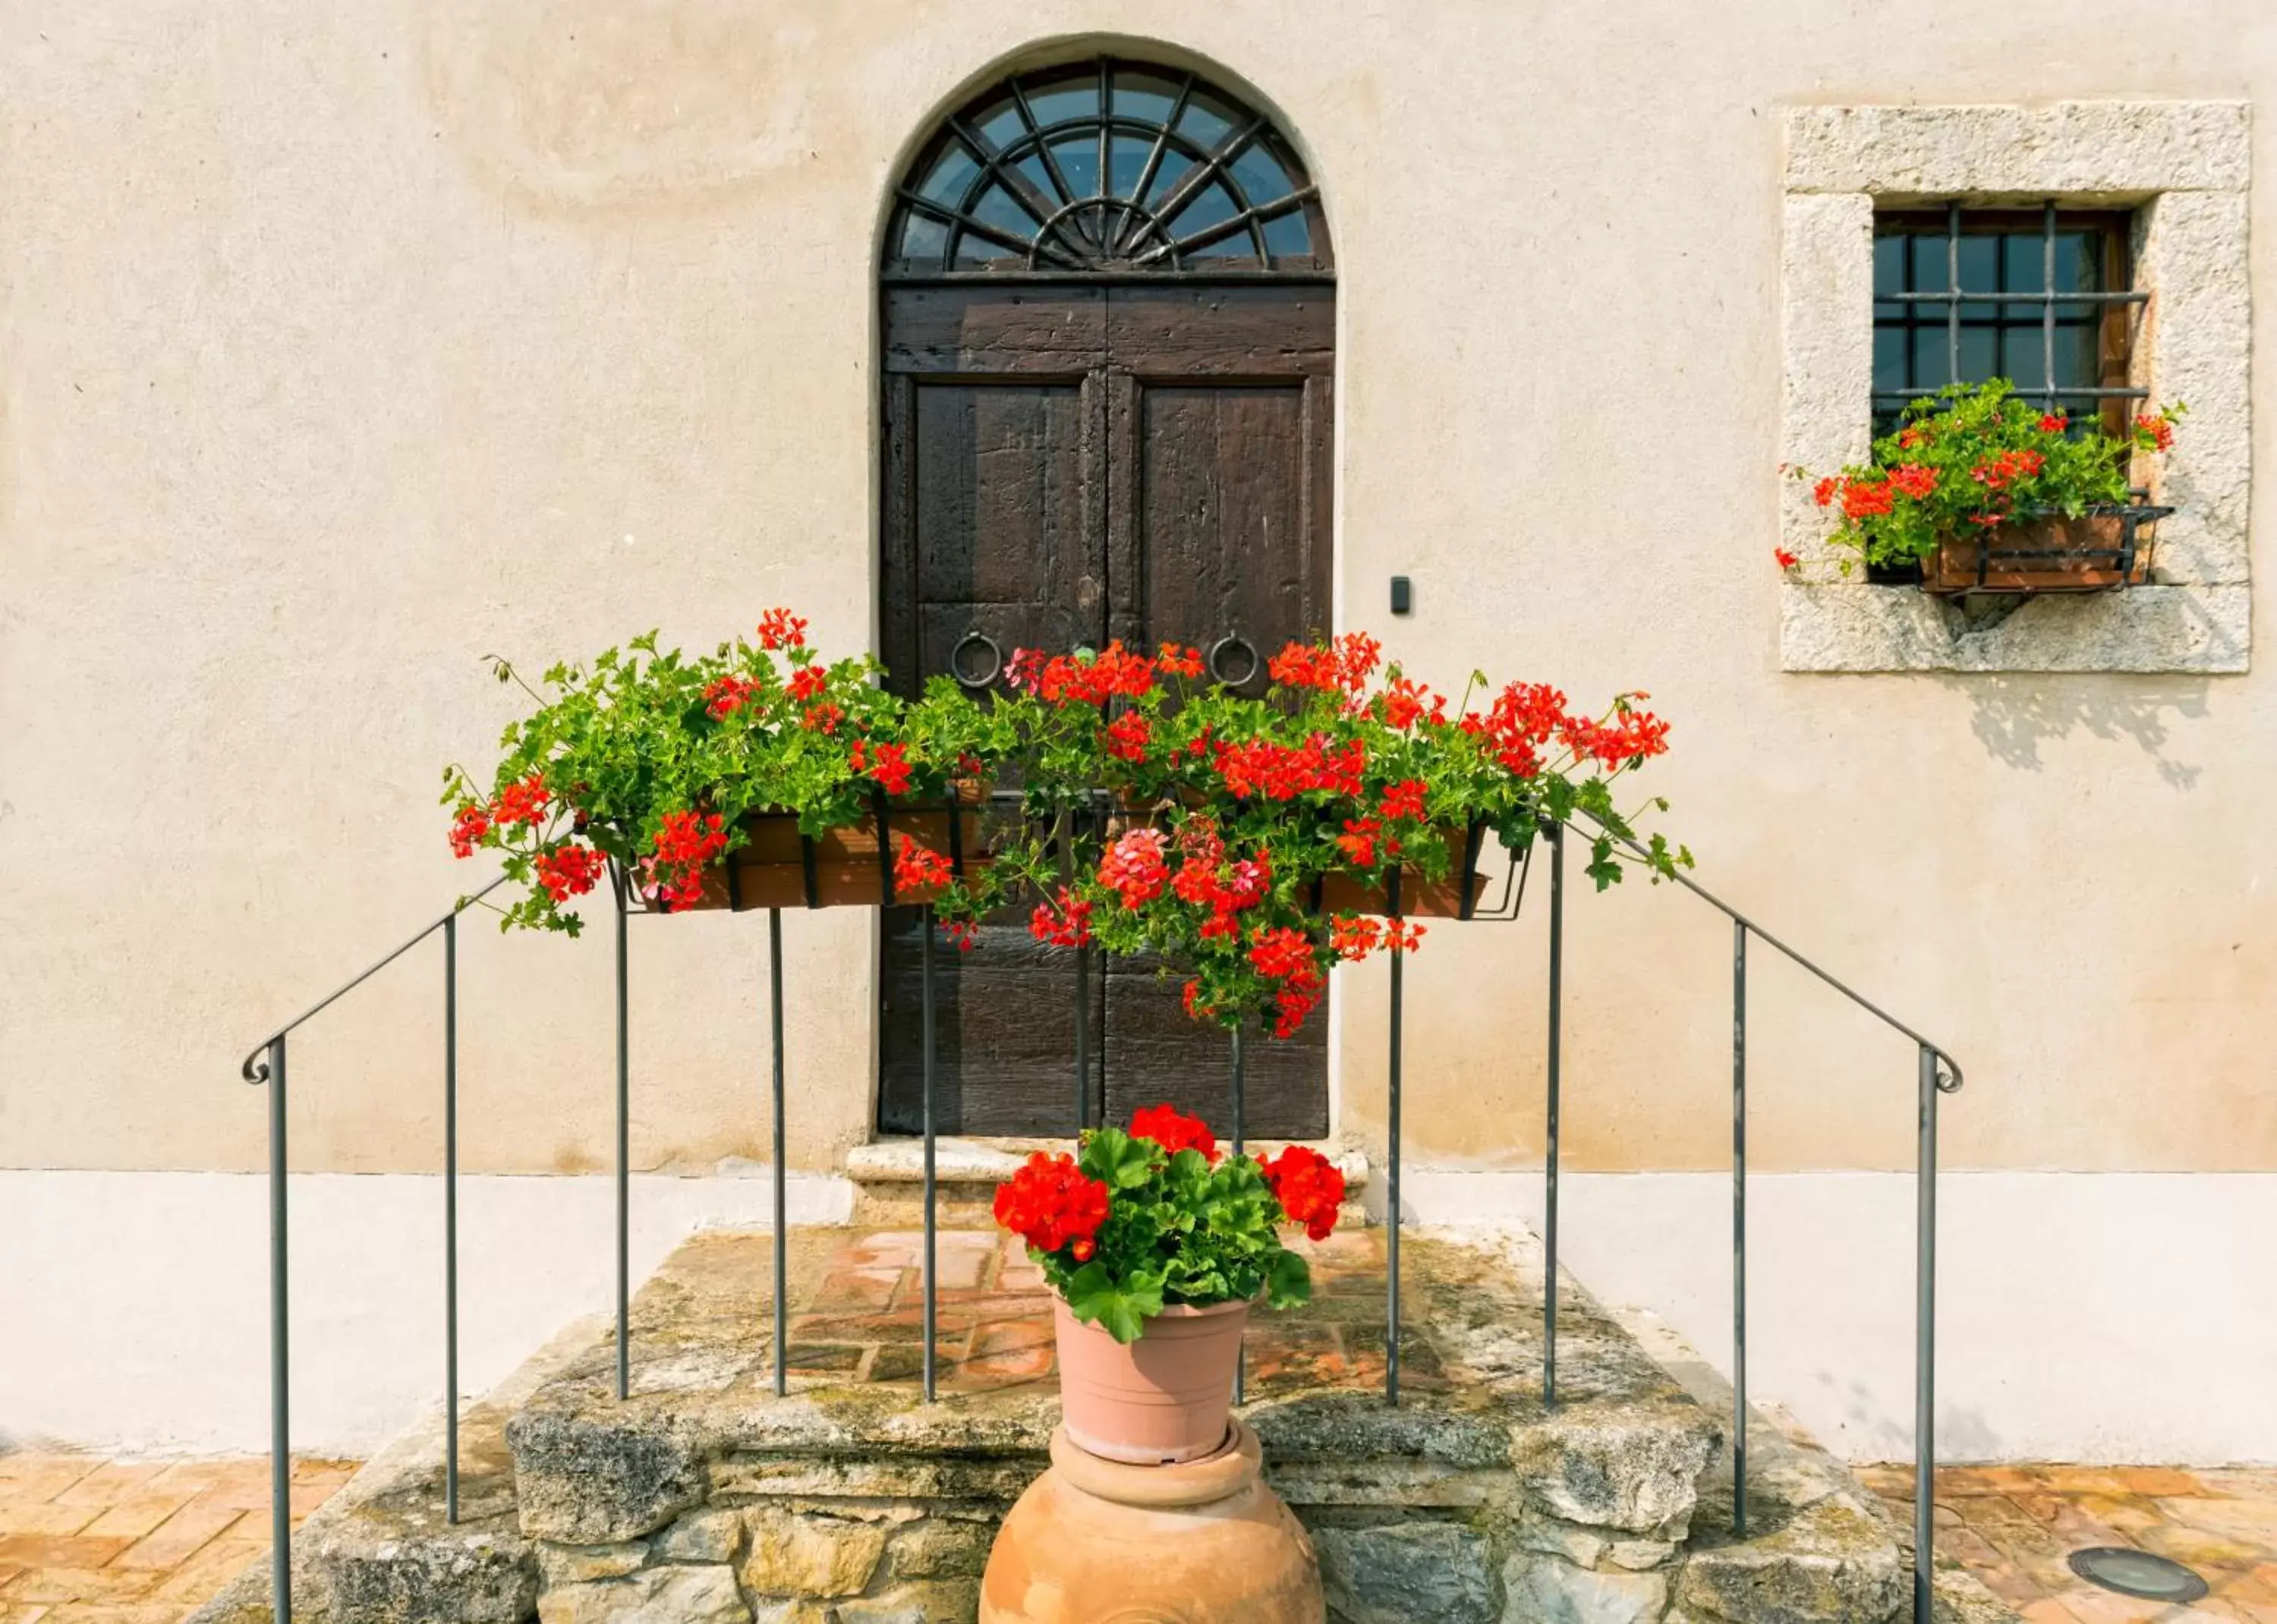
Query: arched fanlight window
{"points": [[1106, 167]]}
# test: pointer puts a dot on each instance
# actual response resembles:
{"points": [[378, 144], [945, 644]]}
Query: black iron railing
{"points": [[1938, 1073]]}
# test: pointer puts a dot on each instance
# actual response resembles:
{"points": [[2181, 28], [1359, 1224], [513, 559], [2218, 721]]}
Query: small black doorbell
{"points": [[1402, 595]]}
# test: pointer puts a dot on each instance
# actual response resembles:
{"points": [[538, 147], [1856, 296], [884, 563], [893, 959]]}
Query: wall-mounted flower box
{"points": [[1985, 491], [1248, 842], [2108, 545], [893, 856], [1422, 896]]}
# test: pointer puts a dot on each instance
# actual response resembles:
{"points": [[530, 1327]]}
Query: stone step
{"points": [[1808, 1552], [703, 1497], [381, 1548], [888, 1176]]}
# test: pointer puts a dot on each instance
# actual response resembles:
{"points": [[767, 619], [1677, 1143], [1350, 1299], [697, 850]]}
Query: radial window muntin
{"points": [[1106, 167]]}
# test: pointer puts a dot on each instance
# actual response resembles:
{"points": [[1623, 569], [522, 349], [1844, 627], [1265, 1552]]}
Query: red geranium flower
{"points": [[918, 872], [470, 823], [1309, 1187], [779, 628], [521, 803], [1174, 1132], [1051, 1203], [1133, 868]]}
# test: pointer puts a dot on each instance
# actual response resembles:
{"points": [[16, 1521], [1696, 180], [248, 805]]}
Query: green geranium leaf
{"points": [[1116, 1160], [1288, 1281], [1122, 1311]]}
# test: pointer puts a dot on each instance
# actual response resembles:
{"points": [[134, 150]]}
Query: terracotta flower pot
{"points": [[1163, 1398]]}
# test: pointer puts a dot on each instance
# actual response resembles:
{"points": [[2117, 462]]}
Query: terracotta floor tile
{"points": [[57, 1585], [2094, 1606], [180, 1536], [2157, 1482], [40, 1550], [204, 1574], [132, 1519], [111, 1482], [2251, 1521], [45, 1517], [41, 1477], [116, 1613]]}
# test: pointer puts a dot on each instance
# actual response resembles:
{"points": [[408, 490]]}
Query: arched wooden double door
{"points": [[1109, 355]]}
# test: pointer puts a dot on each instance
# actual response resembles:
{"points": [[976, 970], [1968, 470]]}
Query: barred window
{"points": [[2042, 297]]}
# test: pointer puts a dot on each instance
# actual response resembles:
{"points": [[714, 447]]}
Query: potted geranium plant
{"points": [[1262, 840], [1986, 492], [755, 776], [1156, 1244]]}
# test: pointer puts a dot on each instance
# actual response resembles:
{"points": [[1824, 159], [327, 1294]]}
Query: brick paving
{"points": [[2014, 1526], [88, 1541]]}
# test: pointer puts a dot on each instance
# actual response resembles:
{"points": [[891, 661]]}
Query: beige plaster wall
{"points": [[341, 345]]}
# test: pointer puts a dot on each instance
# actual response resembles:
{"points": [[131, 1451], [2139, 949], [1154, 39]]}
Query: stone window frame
{"points": [[2183, 168]]}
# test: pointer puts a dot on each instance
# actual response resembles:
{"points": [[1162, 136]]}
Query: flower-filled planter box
{"points": [[1247, 842], [1447, 896], [858, 865], [2102, 548], [1984, 491]]}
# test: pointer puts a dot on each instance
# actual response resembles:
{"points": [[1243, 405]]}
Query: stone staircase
{"points": [[703, 1497]]}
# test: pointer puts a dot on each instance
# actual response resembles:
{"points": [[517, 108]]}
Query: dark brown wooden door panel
{"points": [[968, 330], [1155, 1052], [1003, 1035], [1222, 542], [1064, 464]]}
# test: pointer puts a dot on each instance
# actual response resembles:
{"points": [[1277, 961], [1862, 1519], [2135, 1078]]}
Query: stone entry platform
{"points": [[703, 1497]]}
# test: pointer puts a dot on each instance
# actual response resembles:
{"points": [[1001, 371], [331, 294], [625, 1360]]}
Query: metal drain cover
{"points": [[2137, 1573]]}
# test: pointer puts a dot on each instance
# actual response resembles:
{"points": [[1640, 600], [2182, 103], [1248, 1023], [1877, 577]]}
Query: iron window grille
{"points": [[2042, 298], [1106, 168]]}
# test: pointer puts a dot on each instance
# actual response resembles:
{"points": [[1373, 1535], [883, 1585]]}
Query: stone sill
{"points": [[1846, 628], [899, 1161]]}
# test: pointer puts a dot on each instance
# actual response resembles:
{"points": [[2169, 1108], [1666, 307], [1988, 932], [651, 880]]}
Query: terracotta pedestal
{"points": [[1202, 1542]]}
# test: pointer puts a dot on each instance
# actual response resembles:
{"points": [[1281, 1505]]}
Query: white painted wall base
{"points": [[135, 1306], [2082, 1316], [2103, 1317]]}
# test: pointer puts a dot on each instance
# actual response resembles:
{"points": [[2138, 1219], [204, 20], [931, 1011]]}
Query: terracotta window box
{"points": [[2105, 547]]}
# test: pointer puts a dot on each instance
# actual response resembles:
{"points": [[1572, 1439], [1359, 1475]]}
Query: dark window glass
{"points": [[2076, 364], [1106, 166]]}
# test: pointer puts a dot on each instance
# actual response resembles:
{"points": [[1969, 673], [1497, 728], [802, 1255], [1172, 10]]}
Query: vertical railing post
{"points": [[1925, 1343], [1241, 1355], [624, 1152], [782, 1151], [1392, 1132], [1739, 1226], [1557, 833], [451, 1219], [280, 1368], [932, 1190]]}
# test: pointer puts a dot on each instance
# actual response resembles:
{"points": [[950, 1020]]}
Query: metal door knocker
{"points": [[956, 662], [1247, 654]]}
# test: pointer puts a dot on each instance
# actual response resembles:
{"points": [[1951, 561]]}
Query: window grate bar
{"points": [[2082, 393], [1952, 283], [2048, 310], [1972, 297]]}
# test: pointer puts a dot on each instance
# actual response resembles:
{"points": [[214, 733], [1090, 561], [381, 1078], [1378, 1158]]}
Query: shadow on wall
{"points": [[2015, 714]]}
